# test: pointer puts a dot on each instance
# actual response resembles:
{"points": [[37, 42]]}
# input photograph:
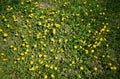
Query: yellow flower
{"points": [[15, 62], [1, 30], [45, 76], [2, 54], [92, 50], [81, 68], [75, 47], [32, 56], [73, 62], [11, 46], [31, 62], [84, 2], [70, 64], [94, 46], [39, 23], [108, 30], [86, 51], [55, 68], [8, 25], [95, 57], [54, 31], [16, 34], [57, 25], [52, 76], [40, 62], [5, 35], [60, 40], [110, 64], [95, 68], [56, 58], [22, 54], [31, 69], [4, 40], [46, 65], [22, 58], [52, 39], [14, 48], [23, 44], [66, 40], [35, 46], [51, 67], [40, 55], [18, 59]]}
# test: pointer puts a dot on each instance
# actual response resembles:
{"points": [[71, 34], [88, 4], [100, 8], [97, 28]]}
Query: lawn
{"points": [[59, 39]]}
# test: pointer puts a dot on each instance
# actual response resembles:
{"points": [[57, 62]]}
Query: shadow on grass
{"points": [[5, 3], [113, 12]]}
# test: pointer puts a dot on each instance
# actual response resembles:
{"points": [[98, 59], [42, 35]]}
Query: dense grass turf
{"points": [[60, 39]]}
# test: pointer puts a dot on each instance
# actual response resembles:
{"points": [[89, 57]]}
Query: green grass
{"points": [[60, 39]]}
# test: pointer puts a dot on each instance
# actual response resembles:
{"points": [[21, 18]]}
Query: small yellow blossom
{"points": [[54, 31], [73, 62], [86, 52], [5, 35], [45, 76], [57, 25], [51, 67], [92, 50], [31, 62], [1, 30], [52, 76], [55, 68], [31, 69], [14, 48], [81, 68], [39, 23], [95, 68]]}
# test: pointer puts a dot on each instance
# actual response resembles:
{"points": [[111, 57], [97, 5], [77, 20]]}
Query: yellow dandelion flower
{"points": [[56, 58], [14, 48], [73, 62], [45, 76], [40, 55], [84, 2], [15, 62], [18, 59], [81, 68], [16, 34], [57, 25], [39, 23], [5, 35], [66, 40], [54, 31], [86, 51], [31, 62], [52, 76], [1, 30], [92, 50], [95, 69], [114, 67], [32, 56], [75, 47], [22, 54], [70, 64], [46, 65], [51, 67], [31, 69], [4, 40], [35, 46], [60, 40], [95, 57], [55, 68], [22, 58]]}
